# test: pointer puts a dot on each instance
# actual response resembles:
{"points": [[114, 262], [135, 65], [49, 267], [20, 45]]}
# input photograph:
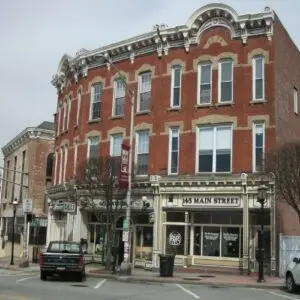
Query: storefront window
{"points": [[144, 242], [230, 242], [211, 241], [197, 241], [175, 239]]}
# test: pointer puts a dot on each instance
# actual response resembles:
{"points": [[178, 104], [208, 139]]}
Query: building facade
{"points": [[27, 170], [212, 97]]}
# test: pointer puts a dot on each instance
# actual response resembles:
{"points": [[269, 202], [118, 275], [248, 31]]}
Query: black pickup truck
{"points": [[63, 257]]}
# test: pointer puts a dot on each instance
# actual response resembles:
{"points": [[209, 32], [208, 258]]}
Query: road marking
{"points": [[283, 296], [99, 284], [188, 291], [26, 278]]}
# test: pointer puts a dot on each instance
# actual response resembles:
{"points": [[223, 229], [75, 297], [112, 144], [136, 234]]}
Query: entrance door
{"points": [[267, 247]]}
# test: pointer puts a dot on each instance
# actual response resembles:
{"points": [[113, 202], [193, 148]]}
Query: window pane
{"points": [[259, 158], [177, 76], [223, 161], [143, 142], [258, 68], [211, 241], [148, 236], [258, 88], [259, 135], [142, 164], [174, 162], [206, 138], [226, 71], [226, 91], [205, 91], [119, 106], [145, 101], [116, 144], [205, 161], [174, 143], [96, 110], [176, 96], [197, 241], [145, 82], [205, 74], [223, 138], [230, 242], [175, 239]]}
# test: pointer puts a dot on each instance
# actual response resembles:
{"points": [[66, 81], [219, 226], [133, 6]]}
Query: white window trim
{"points": [[254, 59], [78, 107], [75, 157], [136, 149], [139, 90], [199, 83], [170, 150], [65, 162], [111, 142], [296, 101], [114, 98], [92, 99], [219, 80], [254, 143], [172, 86], [60, 165], [89, 144], [214, 149]]}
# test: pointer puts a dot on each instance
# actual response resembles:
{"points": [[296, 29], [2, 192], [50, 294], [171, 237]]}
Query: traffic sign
{"points": [[27, 206]]}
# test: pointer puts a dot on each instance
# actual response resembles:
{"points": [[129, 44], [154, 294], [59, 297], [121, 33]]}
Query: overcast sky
{"points": [[34, 34]]}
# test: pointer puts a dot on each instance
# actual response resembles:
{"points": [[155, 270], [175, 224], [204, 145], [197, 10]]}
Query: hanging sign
{"points": [[123, 177]]}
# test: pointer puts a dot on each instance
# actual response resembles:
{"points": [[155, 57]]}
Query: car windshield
{"points": [[64, 247]]}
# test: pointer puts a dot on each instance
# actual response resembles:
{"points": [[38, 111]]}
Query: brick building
{"points": [[212, 97], [27, 170]]}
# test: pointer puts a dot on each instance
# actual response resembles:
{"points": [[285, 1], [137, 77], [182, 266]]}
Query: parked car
{"points": [[292, 275], [62, 257]]}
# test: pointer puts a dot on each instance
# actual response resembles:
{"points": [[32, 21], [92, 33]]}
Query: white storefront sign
{"points": [[215, 201], [27, 206]]}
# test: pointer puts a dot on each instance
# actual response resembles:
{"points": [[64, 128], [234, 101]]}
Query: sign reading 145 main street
{"points": [[212, 201]]}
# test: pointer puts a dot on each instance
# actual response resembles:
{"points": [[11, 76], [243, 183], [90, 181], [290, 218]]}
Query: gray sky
{"points": [[36, 33]]}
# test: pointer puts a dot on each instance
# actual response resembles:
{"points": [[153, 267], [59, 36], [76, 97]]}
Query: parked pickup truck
{"points": [[62, 257]]}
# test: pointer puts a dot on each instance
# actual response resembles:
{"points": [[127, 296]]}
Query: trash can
{"points": [[166, 265]]}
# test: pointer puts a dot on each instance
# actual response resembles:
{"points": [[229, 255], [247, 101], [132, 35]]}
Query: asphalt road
{"points": [[22, 286]]}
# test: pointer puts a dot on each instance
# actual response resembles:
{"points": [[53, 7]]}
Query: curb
{"points": [[182, 281]]}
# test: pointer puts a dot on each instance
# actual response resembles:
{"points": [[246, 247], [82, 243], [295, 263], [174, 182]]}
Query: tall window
{"points": [[173, 150], [75, 157], [258, 146], [176, 86], [65, 115], [58, 120], [61, 154], [296, 105], [214, 149], [119, 98], [78, 107], [258, 73], [93, 147], [22, 174], [69, 103], [96, 98], [7, 177], [226, 81], [115, 151], [204, 83], [144, 101], [142, 152], [65, 162], [55, 167]]}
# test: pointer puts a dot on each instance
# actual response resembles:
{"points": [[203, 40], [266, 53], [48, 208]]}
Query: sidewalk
{"points": [[142, 276]]}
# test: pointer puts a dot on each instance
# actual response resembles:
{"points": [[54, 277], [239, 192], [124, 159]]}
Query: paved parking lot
{"points": [[22, 286]]}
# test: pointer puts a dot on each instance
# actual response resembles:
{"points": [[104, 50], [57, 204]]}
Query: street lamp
{"points": [[126, 265], [15, 203], [261, 197]]}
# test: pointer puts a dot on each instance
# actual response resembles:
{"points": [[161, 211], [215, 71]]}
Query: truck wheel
{"points": [[43, 275], [290, 283]]}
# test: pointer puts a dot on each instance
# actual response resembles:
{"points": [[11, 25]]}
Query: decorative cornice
{"points": [[25, 136], [161, 39]]}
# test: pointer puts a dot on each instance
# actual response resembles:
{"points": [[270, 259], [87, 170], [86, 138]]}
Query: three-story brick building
{"points": [[212, 97]]}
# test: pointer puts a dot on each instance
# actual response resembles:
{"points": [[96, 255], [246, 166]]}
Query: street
{"points": [[22, 286]]}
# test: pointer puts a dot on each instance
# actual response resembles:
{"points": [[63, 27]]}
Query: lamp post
{"points": [[126, 265], [261, 197], [15, 203]]}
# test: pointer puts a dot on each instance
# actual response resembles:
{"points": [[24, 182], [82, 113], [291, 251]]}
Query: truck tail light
{"points": [[81, 260], [41, 259]]}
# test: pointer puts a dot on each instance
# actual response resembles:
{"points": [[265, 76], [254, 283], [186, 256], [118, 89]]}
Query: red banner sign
{"points": [[123, 178]]}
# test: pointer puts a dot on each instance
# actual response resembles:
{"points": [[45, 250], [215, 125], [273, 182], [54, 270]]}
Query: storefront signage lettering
{"points": [[230, 237], [211, 236], [174, 238], [212, 201]]}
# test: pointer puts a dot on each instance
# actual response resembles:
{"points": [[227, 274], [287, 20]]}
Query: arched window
{"points": [[49, 167]]}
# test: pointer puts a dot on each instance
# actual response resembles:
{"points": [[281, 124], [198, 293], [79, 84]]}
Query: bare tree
{"points": [[99, 191], [284, 162]]}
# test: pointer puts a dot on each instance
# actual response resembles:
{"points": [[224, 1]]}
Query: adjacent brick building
{"points": [[212, 97], [27, 170]]}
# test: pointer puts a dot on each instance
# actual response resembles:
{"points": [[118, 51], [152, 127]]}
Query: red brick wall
{"points": [[242, 108]]}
